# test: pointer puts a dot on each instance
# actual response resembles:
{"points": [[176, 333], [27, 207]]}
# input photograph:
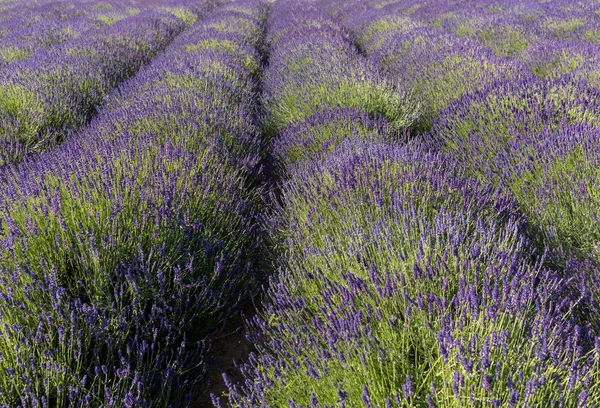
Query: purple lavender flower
{"points": [[407, 388]]}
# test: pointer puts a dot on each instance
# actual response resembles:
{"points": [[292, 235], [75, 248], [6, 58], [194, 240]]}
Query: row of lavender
{"points": [[18, 16], [125, 248], [531, 131], [477, 45], [53, 86], [408, 277], [552, 38], [27, 27], [51, 24]]}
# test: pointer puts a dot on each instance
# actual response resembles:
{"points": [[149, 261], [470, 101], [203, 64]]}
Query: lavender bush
{"points": [[129, 247], [404, 284], [320, 134], [478, 126], [313, 66], [552, 173], [518, 135]]}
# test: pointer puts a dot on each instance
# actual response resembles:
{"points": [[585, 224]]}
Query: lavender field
{"points": [[299, 203]]}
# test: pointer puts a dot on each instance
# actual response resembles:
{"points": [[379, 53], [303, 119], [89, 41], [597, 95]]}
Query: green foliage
{"points": [[185, 15], [376, 98], [10, 54], [505, 41]]}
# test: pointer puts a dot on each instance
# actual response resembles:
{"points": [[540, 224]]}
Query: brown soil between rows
{"points": [[228, 347]]}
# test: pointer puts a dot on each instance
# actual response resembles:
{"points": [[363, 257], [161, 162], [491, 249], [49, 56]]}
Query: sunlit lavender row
{"points": [[53, 82], [451, 261]]}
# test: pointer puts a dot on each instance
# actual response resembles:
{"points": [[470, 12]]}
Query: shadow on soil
{"points": [[228, 347]]}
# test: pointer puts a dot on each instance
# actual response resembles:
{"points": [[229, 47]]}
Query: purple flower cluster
{"points": [[129, 244], [321, 133], [479, 126]]}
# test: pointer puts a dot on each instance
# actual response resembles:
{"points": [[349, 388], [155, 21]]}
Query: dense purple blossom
{"points": [[321, 133], [479, 126]]}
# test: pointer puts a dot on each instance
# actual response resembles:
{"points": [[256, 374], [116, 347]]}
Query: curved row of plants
{"points": [[124, 249], [406, 277], [534, 133], [32, 28], [58, 89], [18, 17]]}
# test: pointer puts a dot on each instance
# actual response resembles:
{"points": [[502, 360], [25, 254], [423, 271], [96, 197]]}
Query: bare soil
{"points": [[228, 347]]}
